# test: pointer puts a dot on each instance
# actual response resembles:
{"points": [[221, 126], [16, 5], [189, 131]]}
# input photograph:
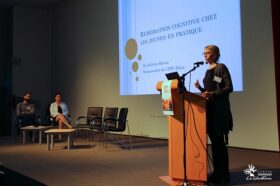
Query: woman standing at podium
{"points": [[217, 87]]}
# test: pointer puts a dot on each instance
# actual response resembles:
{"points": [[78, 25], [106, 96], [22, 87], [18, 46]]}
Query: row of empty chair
{"points": [[113, 120]]}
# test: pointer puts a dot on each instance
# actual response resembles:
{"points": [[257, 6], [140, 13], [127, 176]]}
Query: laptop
{"points": [[175, 75], [172, 75]]}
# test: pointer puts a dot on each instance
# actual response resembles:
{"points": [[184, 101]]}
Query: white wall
{"points": [[31, 54], [85, 70], [254, 109]]}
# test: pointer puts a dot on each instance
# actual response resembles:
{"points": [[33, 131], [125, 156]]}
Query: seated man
{"points": [[26, 111]]}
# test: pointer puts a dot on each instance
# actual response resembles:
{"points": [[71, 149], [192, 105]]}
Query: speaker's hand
{"points": [[206, 94], [196, 84]]}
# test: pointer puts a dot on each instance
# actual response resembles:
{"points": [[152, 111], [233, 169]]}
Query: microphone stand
{"points": [[182, 90]]}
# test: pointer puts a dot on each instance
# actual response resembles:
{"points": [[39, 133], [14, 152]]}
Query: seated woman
{"points": [[59, 112]]}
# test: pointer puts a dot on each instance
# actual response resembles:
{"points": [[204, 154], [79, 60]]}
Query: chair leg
{"points": [[129, 135], [101, 137], [88, 135], [106, 139], [76, 134], [107, 134], [92, 135], [122, 137]]}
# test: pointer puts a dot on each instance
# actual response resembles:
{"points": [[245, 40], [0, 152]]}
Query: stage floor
{"points": [[89, 163]]}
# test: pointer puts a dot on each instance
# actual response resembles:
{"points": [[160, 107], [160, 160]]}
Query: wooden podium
{"points": [[195, 116]]}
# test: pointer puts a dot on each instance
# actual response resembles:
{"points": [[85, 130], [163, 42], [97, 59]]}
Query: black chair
{"points": [[110, 114], [25, 120], [48, 119], [92, 120], [117, 125]]}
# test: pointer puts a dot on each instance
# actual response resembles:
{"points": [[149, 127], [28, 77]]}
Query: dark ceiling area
{"points": [[28, 3]]}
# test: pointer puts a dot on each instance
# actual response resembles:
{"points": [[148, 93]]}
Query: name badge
{"points": [[217, 79]]}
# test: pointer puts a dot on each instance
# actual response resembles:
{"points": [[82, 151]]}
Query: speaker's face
{"points": [[209, 56]]}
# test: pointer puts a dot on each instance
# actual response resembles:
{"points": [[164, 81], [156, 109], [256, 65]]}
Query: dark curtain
{"points": [[5, 71]]}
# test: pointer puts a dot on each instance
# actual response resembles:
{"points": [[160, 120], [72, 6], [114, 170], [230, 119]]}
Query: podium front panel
{"points": [[195, 116]]}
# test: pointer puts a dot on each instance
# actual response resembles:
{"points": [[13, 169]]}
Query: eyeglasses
{"points": [[205, 53]]}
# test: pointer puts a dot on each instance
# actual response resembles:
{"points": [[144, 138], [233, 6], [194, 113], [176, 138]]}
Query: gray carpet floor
{"points": [[91, 164]]}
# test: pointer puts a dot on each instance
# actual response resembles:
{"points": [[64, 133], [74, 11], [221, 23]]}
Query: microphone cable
{"points": [[198, 135]]}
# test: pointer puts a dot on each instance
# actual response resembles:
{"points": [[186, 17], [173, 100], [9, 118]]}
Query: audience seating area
{"points": [[94, 123]]}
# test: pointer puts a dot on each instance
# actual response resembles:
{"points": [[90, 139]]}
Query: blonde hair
{"points": [[215, 50]]}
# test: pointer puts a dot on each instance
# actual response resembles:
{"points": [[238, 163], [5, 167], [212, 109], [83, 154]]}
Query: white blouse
{"points": [[54, 110]]}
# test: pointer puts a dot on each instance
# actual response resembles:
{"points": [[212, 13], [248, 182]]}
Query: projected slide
{"points": [[161, 36]]}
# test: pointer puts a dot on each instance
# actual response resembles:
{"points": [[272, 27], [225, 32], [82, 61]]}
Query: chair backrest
{"points": [[111, 112], [122, 119], [94, 112]]}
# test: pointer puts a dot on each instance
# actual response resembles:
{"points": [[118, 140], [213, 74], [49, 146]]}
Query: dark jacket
{"points": [[219, 117], [25, 109]]}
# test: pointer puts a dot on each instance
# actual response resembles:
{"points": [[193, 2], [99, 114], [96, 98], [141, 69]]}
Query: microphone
{"points": [[196, 65], [199, 63]]}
